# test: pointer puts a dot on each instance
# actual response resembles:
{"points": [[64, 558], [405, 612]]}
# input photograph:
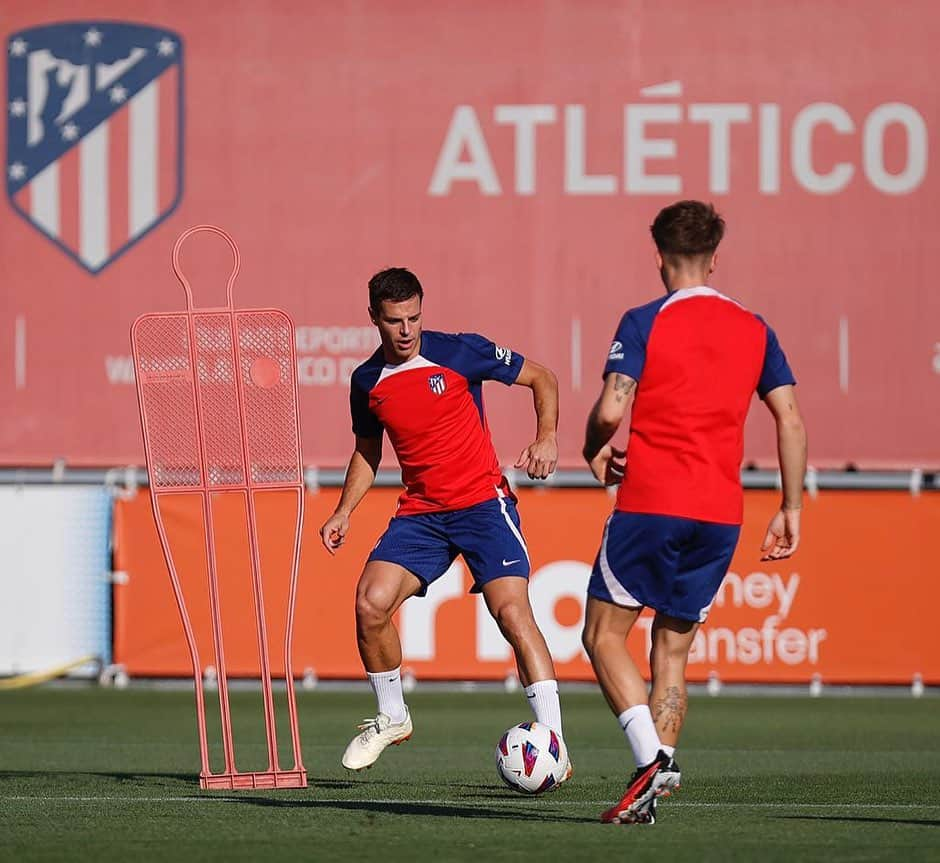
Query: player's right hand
{"points": [[333, 533], [783, 535], [608, 465]]}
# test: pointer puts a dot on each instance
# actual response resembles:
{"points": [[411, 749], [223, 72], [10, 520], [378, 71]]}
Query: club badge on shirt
{"points": [[437, 383]]}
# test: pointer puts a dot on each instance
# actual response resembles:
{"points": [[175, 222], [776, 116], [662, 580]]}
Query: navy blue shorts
{"points": [[488, 536], [673, 565]]}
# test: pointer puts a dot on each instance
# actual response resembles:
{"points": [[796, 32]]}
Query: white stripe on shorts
{"points": [[618, 592], [515, 531]]}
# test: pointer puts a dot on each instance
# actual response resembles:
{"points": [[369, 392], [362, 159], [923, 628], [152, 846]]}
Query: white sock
{"points": [[387, 688], [637, 724], [543, 699], [669, 750]]}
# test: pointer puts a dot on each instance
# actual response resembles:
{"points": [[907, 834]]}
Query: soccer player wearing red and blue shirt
{"points": [[425, 391], [687, 364]]}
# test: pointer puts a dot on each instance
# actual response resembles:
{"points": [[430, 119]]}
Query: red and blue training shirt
{"points": [[432, 409], [697, 357]]}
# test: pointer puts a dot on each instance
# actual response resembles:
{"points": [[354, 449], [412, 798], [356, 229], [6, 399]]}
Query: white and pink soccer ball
{"points": [[531, 758]]}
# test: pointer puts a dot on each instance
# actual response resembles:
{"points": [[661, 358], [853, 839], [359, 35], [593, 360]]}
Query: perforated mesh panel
{"points": [[215, 361], [270, 409], [164, 376]]}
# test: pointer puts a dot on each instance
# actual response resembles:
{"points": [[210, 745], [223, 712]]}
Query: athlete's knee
{"points": [[670, 648], [375, 605], [666, 663], [594, 637], [589, 639], [514, 619]]}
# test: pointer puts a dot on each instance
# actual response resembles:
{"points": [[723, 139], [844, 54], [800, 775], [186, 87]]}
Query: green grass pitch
{"points": [[111, 775]]}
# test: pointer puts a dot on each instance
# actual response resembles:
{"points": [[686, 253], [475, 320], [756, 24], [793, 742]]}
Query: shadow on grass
{"points": [[453, 789], [188, 783], [186, 780], [493, 790], [920, 822], [405, 807], [91, 774]]}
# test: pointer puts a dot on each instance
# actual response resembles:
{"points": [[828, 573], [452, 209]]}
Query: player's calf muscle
{"points": [[668, 709]]}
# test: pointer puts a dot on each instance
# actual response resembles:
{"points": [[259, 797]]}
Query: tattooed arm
{"points": [[607, 462]]}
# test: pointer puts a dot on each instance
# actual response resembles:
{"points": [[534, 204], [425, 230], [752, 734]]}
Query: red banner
{"points": [[832, 610], [512, 155]]}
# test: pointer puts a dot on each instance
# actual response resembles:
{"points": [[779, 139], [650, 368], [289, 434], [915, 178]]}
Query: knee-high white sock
{"points": [[543, 699], [637, 723], [387, 688]]}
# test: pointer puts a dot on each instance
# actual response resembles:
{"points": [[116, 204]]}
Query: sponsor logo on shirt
{"points": [[616, 351], [437, 383], [504, 355]]}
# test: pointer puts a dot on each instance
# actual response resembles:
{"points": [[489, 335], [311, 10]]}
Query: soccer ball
{"points": [[531, 758]]}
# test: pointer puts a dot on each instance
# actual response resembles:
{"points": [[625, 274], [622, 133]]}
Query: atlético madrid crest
{"points": [[437, 383], [94, 133]]}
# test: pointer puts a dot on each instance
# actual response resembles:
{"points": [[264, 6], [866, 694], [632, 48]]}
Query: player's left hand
{"points": [[608, 465], [538, 459]]}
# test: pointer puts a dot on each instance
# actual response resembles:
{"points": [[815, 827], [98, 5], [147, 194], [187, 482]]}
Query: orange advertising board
{"points": [[840, 608]]}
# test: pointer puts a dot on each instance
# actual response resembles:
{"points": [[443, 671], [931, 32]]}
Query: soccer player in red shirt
{"points": [[424, 389], [686, 365]]}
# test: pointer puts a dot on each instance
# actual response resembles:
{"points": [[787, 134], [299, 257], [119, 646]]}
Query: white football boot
{"points": [[377, 733]]}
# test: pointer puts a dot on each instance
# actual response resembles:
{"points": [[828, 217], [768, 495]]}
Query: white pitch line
{"points": [[388, 801]]}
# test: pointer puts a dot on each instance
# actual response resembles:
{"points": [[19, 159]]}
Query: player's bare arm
{"points": [[540, 457], [360, 474], [606, 461], [783, 533]]}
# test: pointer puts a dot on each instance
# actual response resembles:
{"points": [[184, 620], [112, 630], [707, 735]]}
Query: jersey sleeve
{"points": [[627, 354], [479, 359], [776, 370], [364, 422]]}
